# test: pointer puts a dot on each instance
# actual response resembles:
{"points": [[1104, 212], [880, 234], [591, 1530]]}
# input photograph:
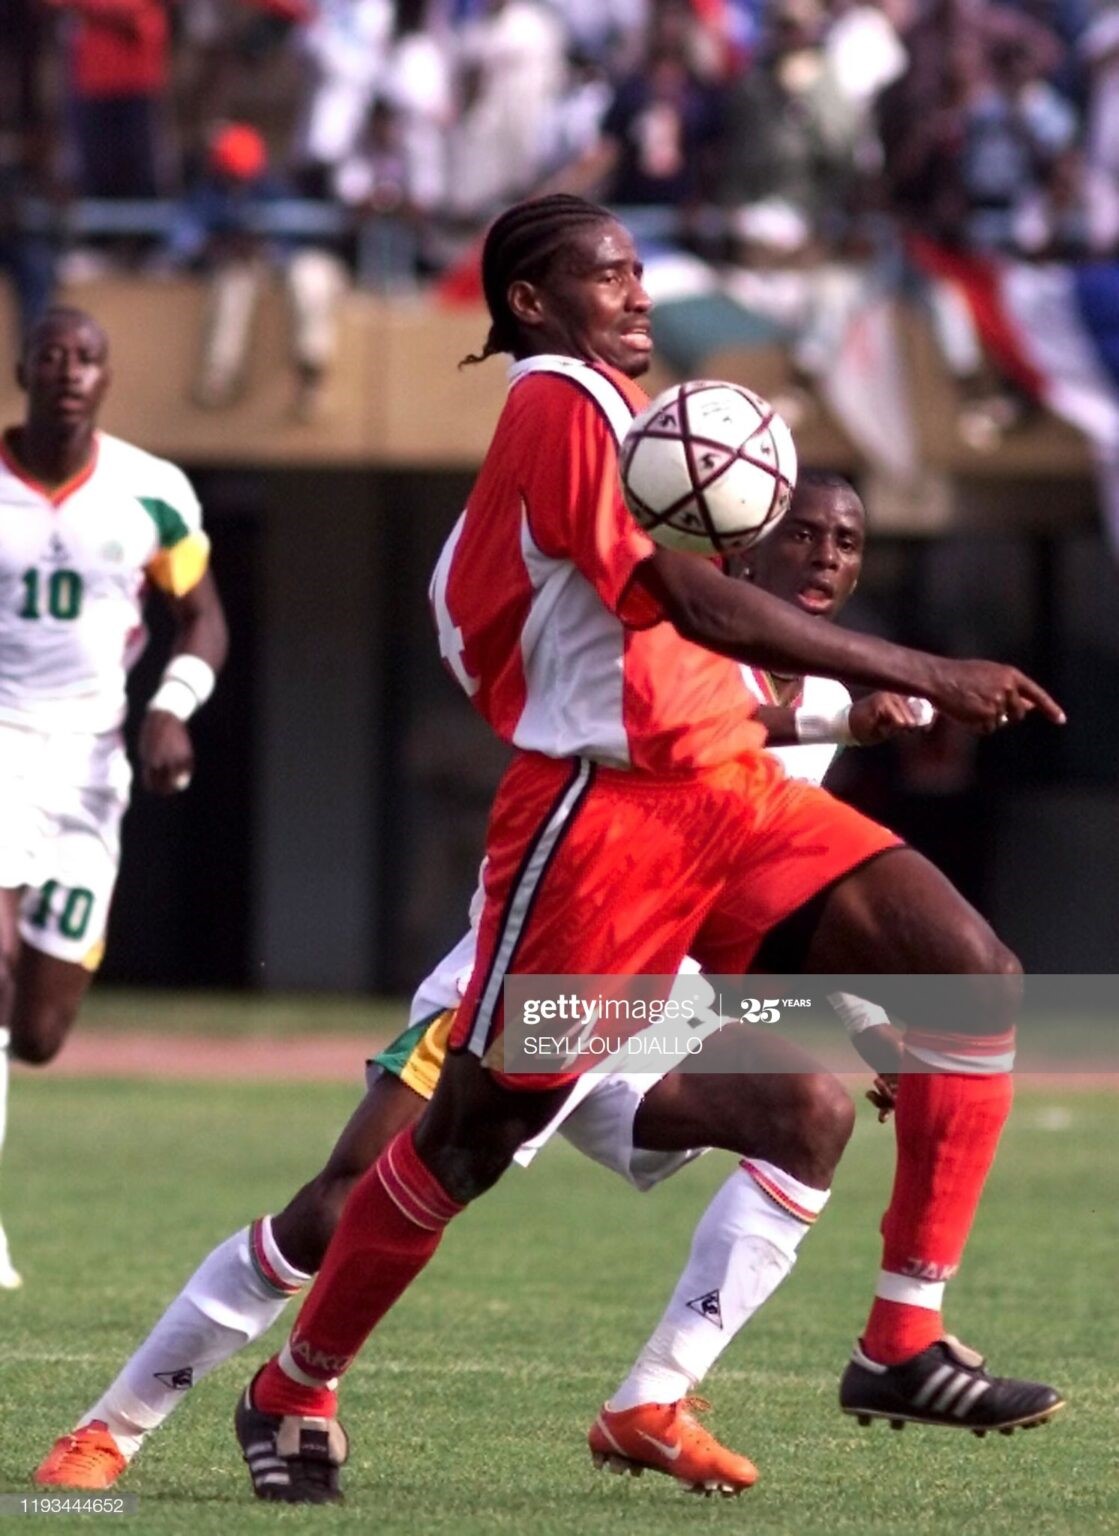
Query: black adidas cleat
{"points": [[291, 1459], [946, 1384]]}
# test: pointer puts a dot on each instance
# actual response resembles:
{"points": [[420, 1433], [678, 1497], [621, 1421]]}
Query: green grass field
{"points": [[468, 1411]]}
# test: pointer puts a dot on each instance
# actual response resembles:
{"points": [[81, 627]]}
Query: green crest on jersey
{"points": [[171, 525]]}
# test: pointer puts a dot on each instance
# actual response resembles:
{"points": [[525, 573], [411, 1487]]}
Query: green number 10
{"points": [[64, 595], [77, 909]]}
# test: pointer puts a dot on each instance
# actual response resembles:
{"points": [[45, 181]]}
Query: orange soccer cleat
{"points": [[665, 1437], [89, 1457]]}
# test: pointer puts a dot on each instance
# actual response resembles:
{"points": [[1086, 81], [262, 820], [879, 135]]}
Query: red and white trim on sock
{"points": [[910, 1292], [414, 1192], [287, 1363], [972, 1055], [270, 1265], [799, 1200]]}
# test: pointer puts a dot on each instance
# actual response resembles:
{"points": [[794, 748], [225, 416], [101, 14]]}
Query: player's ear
{"points": [[523, 299]]}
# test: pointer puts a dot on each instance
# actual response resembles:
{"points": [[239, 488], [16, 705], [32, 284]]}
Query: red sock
{"points": [[275, 1392], [390, 1227], [948, 1127]]}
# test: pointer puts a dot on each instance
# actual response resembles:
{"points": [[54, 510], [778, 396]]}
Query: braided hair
{"points": [[522, 243]]}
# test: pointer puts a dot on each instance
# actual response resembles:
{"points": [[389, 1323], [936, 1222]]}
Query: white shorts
{"points": [[598, 1114], [600, 1125], [62, 800]]}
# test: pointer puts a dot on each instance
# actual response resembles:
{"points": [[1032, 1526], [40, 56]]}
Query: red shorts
{"points": [[594, 871]]}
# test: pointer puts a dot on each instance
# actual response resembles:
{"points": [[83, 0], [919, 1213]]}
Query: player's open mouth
{"points": [[640, 341], [816, 598]]}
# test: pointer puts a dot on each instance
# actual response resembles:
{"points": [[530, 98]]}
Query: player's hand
{"points": [[882, 715], [884, 1095], [166, 753], [984, 695]]}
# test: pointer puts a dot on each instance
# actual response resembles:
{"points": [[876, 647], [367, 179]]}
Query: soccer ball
{"points": [[708, 467]]}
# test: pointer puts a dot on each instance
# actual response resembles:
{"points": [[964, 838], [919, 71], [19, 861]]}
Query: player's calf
{"points": [[37, 1040]]}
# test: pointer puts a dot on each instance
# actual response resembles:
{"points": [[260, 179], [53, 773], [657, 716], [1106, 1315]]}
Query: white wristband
{"points": [[188, 682], [857, 1013], [817, 730]]}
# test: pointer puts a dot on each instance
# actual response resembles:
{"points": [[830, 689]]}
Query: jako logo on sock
{"points": [[919, 1269], [317, 1361]]}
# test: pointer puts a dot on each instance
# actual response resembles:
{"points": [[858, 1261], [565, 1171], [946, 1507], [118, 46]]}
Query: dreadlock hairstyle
{"points": [[522, 243]]}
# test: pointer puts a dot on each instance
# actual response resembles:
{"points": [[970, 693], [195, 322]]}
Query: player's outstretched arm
{"points": [[743, 622], [201, 643]]}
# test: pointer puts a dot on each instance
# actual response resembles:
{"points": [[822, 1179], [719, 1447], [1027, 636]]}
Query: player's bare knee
{"points": [[995, 974], [978, 950], [35, 1048], [1005, 963], [465, 1173], [39, 1030], [469, 1162]]}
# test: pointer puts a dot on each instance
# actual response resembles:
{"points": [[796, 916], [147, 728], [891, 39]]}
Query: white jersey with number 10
{"points": [[73, 565]]}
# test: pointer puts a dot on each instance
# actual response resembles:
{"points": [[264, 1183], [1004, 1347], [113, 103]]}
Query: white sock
{"points": [[8, 1277], [744, 1246], [234, 1296]]}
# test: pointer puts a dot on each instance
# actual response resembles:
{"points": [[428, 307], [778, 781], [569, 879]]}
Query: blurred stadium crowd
{"points": [[341, 142], [804, 124]]}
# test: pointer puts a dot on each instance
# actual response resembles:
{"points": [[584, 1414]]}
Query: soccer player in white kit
{"points": [[88, 524], [746, 1240]]}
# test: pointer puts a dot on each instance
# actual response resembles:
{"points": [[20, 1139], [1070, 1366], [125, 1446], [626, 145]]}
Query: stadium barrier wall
{"points": [[397, 399]]}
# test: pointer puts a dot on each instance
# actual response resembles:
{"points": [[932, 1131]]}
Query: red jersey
{"points": [[538, 613]]}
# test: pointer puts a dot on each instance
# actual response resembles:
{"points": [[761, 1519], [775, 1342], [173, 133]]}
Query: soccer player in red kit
{"points": [[640, 820]]}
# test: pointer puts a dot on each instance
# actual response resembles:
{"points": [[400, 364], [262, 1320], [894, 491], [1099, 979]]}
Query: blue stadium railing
{"points": [[383, 245]]}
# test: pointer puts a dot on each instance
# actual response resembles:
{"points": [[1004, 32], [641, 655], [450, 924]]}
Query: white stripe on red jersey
{"points": [[538, 614]]}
